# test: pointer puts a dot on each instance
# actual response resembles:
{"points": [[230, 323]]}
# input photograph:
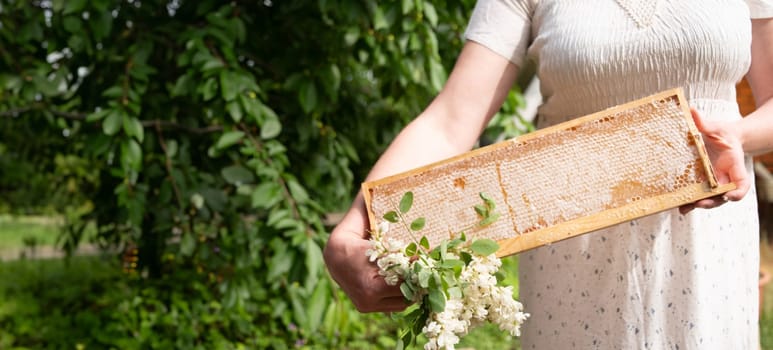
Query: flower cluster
{"points": [[454, 285]]}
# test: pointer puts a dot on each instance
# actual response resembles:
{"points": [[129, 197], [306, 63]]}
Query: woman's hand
{"points": [[725, 150], [349, 266]]}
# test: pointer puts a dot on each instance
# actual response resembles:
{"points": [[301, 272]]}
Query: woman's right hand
{"points": [[349, 266]]}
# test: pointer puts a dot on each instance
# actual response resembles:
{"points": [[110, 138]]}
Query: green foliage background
{"points": [[206, 140]]}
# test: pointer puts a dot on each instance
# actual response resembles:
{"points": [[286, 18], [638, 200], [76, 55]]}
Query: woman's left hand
{"points": [[725, 150]]}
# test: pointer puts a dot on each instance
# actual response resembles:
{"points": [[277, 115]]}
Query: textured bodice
{"points": [[593, 57]]}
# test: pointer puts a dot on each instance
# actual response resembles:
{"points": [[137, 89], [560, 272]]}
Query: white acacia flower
{"points": [[393, 245], [480, 300], [383, 227], [393, 266]]}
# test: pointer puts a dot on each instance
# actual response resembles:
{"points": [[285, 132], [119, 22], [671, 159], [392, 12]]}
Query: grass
{"points": [[766, 320], [27, 288], [16, 230], [53, 303]]}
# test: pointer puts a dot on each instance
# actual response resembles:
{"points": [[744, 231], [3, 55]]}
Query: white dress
{"points": [[666, 281]]}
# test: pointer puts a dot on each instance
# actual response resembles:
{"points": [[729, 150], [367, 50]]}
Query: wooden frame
{"points": [[643, 157]]}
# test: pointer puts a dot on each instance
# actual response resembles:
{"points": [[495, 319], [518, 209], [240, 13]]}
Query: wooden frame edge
{"points": [[609, 217], [695, 134]]}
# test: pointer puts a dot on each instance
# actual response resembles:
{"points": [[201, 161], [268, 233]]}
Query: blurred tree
{"points": [[211, 136]]}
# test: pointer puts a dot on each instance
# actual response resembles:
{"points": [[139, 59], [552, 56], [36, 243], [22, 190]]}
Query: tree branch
{"points": [[164, 124], [282, 183], [14, 112], [168, 165]]}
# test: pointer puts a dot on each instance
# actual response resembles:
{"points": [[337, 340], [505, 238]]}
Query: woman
{"points": [[674, 280]]}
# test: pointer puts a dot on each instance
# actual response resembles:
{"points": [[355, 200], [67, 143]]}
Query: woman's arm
{"points": [[450, 125], [757, 127]]}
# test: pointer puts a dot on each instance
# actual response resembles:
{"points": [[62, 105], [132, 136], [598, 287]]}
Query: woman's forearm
{"points": [[757, 130], [450, 125]]}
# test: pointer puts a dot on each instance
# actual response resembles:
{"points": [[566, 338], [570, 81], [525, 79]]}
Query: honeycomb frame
{"points": [[569, 179]]}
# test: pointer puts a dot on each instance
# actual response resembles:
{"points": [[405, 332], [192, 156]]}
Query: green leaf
{"points": [[182, 86], [307, 96], [314, 263], [482, 210], [452, 264], [437, 300], [228, 139], [411, 249], [281, 262], [101, 24], [115, 91], [331, 79], [488, 201], [420, 322], [430, 14], [228, 86], [455, 292], [484, 246], [391, 216], [98, 115], [214, 198], [417, 224], [424, 276], [489, 220], [452, 244], [379, 20], [208, 89], [72, 24], [424, 242], [252, 108], [266, 195], [315, 308], [73, 6], [466, 257], [270, 128], [212, 64], [133, 127], [407, 6], [406, 202], [351, 35], [187, 244], [297, 191], [32, 30], [237, 174], [171, 148], [197, 200], [412, 313], [234, 110], [112, 123], [437, 74], [407, 291], [131, 154]]}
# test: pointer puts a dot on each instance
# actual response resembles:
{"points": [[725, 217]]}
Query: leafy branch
{"points": [[433, 276], [293, 204], [81, 116]]}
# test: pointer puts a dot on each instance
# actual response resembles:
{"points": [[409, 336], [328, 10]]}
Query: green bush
{"points": [[205, 141], [87, 302]]}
